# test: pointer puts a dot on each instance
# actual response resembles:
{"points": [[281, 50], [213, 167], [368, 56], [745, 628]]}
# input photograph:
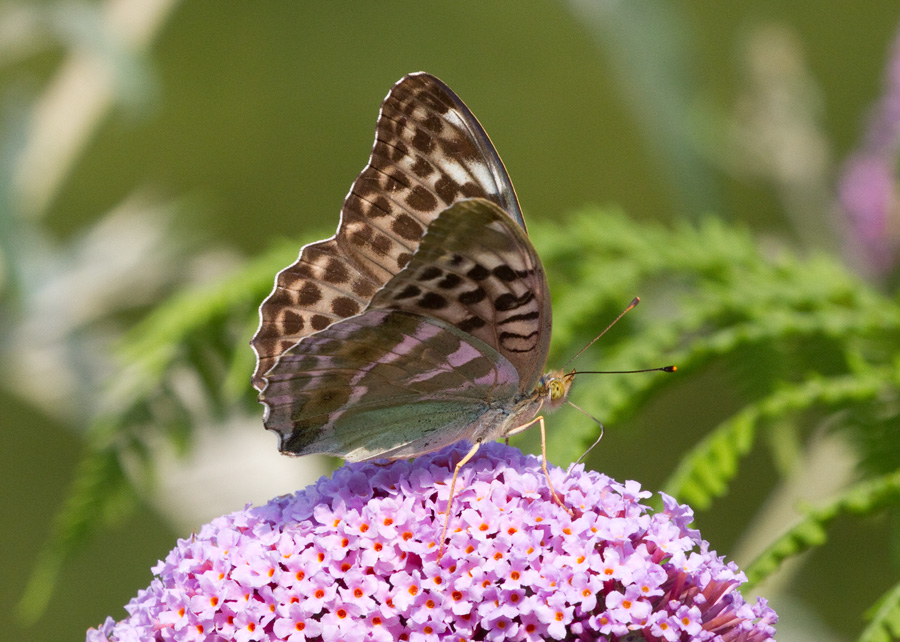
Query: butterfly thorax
{"points": [[503, 420]]}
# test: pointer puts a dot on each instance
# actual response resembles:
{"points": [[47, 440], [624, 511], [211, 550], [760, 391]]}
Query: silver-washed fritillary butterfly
{"points": [[425, 320]]}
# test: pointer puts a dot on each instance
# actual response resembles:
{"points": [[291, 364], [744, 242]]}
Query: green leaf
{"points": [[705, 471], [884, 618], [863, 499]]}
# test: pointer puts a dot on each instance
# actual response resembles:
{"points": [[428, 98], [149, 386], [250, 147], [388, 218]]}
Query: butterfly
{"points": [[425, 320]]}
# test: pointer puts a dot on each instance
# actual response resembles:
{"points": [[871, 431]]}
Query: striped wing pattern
{"points": [[477, 270], [422, 382], [430, 152]]}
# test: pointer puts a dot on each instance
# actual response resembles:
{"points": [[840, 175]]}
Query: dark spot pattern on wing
{"points": [[429, 152], [476, 269]]}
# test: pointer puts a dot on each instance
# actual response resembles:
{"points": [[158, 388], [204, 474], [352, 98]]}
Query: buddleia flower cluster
{"points": [[355, 557]]}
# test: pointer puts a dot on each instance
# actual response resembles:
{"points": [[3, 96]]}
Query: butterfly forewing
{"points": [[323, 286], [477, 270], [445, 134], [429, 152]]}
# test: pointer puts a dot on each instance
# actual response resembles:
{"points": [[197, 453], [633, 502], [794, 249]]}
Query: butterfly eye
{"points": [[557, 390]]}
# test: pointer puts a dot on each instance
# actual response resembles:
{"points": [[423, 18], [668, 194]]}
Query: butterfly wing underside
{"points": [[383, 384], [429, 152], [477, 270], [413, 372]]}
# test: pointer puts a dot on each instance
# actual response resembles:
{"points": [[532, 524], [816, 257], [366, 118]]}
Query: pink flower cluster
{"points": [[355, 557]]}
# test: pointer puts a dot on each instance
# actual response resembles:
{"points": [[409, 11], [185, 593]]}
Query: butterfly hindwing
{"points": [[383, 382], [429, 152]]}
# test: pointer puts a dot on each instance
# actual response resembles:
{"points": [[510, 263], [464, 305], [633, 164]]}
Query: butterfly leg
{"points": [[540, 421], [462, 462]]}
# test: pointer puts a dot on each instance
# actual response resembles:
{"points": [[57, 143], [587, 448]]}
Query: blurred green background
{"points": [[231, 125]]}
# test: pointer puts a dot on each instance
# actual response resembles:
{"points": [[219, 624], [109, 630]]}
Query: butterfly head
{"points": [[554, 387]]}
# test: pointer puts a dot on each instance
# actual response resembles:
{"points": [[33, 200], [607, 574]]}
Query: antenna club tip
{"points": [[670, 369]]}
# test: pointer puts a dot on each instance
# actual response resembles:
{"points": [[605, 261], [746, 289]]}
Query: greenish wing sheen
{"points": [[396, 432], [384, 384]]}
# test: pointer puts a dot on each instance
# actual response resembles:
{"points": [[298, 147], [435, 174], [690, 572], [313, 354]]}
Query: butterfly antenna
{"points": [[592, 417], [597, 441], [662, 369], [630, 307]]}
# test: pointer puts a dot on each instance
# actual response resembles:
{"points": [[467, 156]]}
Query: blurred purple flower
{"points": [[867, 187], [355, 557]]}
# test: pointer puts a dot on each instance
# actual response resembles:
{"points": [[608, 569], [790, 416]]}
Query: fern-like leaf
{"points": [[863, 499], [704, 473], [884, 618]]}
